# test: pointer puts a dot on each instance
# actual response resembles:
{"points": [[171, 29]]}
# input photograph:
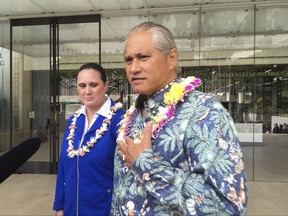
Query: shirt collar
{"points": [[104, 110], [158, 99]]}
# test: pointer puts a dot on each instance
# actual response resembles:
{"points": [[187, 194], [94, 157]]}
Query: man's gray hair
{"points": [[161, 36]]}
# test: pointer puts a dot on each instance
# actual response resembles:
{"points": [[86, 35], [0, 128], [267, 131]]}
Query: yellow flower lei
{"points": [[176, 93]]}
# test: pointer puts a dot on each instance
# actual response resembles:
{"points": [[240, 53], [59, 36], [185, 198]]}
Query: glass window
{"points": [[271, 92], [4, 86]]}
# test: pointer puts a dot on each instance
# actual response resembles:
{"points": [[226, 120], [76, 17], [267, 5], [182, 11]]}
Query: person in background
{"points": [[280, 128], [276, 128], [178, 151], [285, 128], [85, 172], [266, 128]]}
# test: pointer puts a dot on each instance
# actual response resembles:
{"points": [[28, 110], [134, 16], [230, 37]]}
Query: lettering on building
{"points": [[253, 74]]}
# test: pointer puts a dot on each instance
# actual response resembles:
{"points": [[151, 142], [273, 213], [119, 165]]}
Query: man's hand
{"points": [[129, 150]]}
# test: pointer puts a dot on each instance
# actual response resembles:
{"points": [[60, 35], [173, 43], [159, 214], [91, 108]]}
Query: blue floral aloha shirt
{"points": [[195, 165]]}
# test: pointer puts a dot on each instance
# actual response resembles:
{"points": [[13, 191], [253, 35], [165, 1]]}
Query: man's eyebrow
{"points": [[137, 55], [127, 57]]}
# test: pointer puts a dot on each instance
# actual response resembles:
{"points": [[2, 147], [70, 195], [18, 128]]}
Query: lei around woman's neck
{"points": [[99, 133]]}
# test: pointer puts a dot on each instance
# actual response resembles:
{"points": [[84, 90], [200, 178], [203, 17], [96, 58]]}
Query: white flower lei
{"points": [[177, 92], [98, 133]]}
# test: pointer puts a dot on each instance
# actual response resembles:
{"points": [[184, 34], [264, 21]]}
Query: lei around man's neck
{"points": [[141, 99], [172, 95]]}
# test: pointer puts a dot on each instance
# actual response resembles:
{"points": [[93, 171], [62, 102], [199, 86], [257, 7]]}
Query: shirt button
{"points": [[108, 190], [152, 104]]}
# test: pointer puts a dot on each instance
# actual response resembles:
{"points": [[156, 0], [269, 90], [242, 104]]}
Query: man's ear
{"points": [[173, 58]]}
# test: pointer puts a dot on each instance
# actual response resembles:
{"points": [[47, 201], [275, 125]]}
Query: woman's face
{"points": [[91, 88]]}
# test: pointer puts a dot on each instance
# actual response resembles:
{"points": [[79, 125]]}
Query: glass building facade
{"points": [[240, 51]]}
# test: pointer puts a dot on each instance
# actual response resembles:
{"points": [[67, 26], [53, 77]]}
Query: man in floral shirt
{"points": [[178, 152]]}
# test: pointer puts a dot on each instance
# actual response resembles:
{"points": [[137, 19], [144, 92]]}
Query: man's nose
{"points": [[135, 66]]}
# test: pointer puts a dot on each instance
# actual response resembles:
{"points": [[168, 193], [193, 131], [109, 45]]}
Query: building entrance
{"points": [[43, 88]]}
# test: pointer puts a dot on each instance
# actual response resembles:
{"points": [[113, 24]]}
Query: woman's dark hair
{"points": [[95, 67]]}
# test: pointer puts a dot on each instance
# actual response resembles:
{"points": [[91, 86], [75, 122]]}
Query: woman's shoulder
{"points": [[119, 111]]}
